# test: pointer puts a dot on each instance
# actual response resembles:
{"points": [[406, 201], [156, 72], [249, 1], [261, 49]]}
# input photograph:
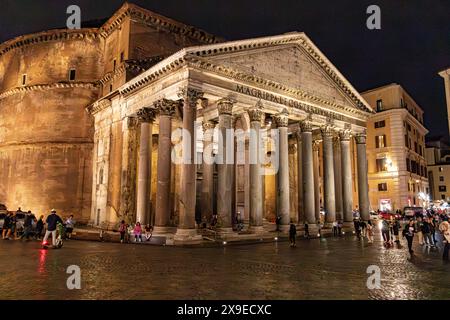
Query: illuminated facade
{"points": [[396, 150]]}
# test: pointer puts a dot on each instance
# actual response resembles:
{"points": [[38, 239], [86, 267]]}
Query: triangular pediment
{"points": [[290, 60]]}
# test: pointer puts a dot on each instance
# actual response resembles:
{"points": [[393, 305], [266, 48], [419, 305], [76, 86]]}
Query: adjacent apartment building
{"points": [[396, 150], [438, 164]]}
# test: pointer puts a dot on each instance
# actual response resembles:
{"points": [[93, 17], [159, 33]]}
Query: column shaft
{"points": [[163, 210], [308, 173], [337, 177], [300, 210], [346, 165], [363, 184], [256, 185], [328, 175], [225, 166], [208, 172], [146, 116], [316, 186]]}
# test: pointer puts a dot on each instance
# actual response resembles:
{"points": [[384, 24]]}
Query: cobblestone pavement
{"points": [[332, 268]]}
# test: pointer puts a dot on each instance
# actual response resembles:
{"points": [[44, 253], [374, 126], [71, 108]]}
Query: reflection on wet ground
{"points": [[332, 268]]}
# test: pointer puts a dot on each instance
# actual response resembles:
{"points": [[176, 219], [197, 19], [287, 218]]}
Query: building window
{"points": [[110, 88], [443, 196], [72, 75], [24, 79], [380, 141], [382, 165], [380, 124], [379, 105], [114, 65], [442, 188], [408, 126], [414, 187], [406, 141], [122, 56], [382, 187], [408, 165], [441, 178]]}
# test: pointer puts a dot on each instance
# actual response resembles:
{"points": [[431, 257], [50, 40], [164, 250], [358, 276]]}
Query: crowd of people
{"points": [[32, 228], [136, 230], [394, 228]]}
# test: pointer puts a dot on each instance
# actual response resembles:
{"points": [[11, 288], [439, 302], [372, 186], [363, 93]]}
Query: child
{"points": [[122, 230], [137, 232], [148, 232]]}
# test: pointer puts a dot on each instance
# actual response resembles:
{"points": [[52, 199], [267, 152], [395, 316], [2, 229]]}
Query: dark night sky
{"points": [[412, 47]]}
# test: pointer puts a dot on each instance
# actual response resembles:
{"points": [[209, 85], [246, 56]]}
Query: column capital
{"points": [[225, 106], [208, 125], [345, 135], [166, 107], [305, 126], [282, 119], [255, 113], [316, 145], [361, 138], [146, 114], [327, 131], [292, 148], [131, 122], [190, 96]]}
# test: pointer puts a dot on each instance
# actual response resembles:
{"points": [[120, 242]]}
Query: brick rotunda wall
{"points": [[45, 133]]}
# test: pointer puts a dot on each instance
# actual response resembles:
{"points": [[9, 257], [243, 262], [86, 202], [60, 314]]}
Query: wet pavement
{"points": [[332, 268]]}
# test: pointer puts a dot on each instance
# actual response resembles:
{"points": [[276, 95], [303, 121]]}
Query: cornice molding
{"points": [[50, 86], [154, 19], [48, 36]]}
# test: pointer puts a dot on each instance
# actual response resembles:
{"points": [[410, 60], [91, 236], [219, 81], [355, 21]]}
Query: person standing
{"points": [[357, 227], [363, 227], [122, 230], [52, 221], [426, 231], [6, 227], [408, 233], [419, 225], [292, 234], [14, 224], [395, 230], [28, 225], [385, 228], [278, 222], [70, 223], [445, 229], [306, 230], [335, 228], [137, 232], [39, 228], [369, 232], [434, 225], [340, 225]]}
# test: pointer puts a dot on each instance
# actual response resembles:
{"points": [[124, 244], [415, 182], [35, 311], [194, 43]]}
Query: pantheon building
{"points": [[94, 120]]}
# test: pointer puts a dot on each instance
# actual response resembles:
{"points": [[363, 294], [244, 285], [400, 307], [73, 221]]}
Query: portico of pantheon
{"points": [[306, 115]]}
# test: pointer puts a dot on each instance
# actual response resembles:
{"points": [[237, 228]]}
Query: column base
{"points": [[256, 229], [284, 228], [187, 236], [225, 231], [164, 230]]}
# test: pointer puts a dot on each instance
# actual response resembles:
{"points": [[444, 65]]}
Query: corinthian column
{"points": [[208, 171], [146, 117], [307, 172], [186, 227], [225, 166], [363, 184], [166, 110], [255, 150], [328, 174], [346, 165], [337, 177], [281, 121], [316, 163], [300, 210]]}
